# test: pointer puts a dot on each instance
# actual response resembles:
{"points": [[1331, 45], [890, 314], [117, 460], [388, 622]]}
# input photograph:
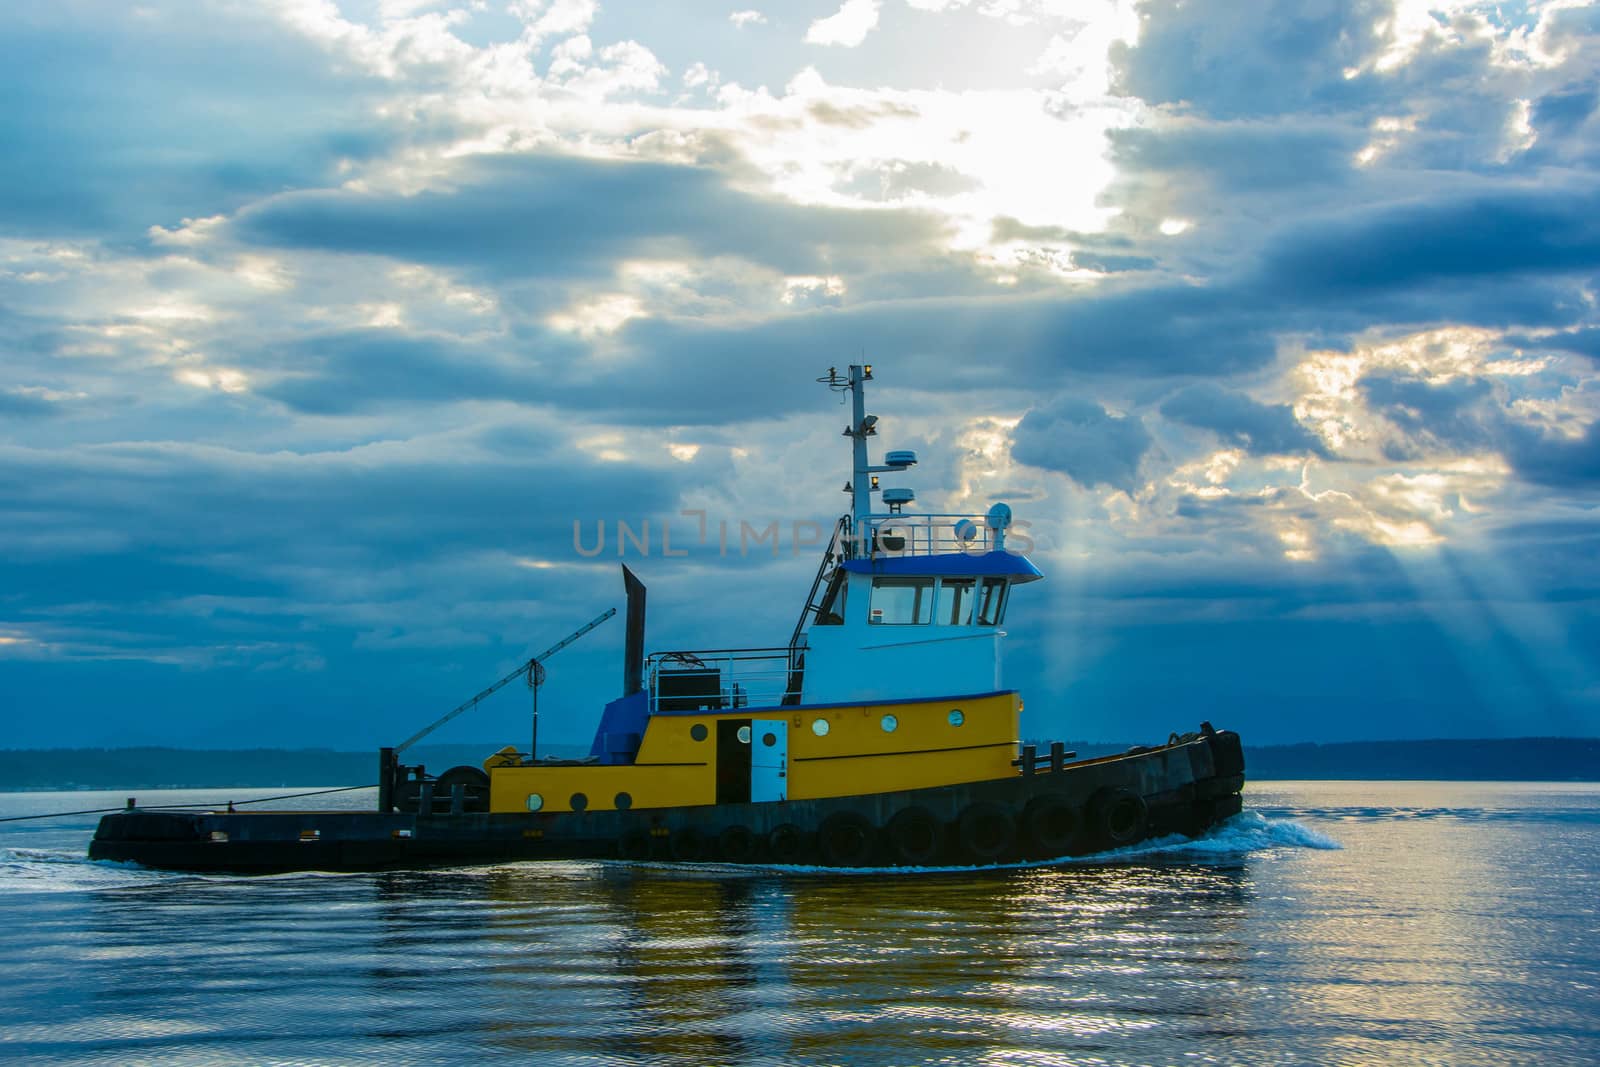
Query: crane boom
{"points": [[523, 667]]}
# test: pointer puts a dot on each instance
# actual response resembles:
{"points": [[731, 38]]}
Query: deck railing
{"points": [[922, 534], [723, 679]]}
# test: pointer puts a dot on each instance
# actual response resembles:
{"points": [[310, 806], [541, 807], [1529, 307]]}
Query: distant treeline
{"points": [[1561, 759], [1521, 759], [187, 768]]}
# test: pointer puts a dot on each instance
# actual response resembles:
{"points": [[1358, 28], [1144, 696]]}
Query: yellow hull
{"points": [[931, 743]]}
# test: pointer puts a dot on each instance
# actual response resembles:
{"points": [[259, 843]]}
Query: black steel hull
{"points": [[1182, 787]]}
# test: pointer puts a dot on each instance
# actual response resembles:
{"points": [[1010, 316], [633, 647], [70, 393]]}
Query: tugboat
{"points": [[881, 735]]}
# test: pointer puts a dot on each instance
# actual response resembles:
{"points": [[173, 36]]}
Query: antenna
{"points": [[835, 381]]}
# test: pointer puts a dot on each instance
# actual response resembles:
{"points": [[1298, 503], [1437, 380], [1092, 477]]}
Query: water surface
{"points": [[1333, 922]]}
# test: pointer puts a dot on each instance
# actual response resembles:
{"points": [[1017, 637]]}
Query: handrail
{"points": [[924, 535], [722, 678], [775, 650], [841, 530]]}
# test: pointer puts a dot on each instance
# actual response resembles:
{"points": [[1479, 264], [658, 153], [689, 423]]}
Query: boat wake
{"points": [[46, 870], [1249, 831], [1243, 834]]}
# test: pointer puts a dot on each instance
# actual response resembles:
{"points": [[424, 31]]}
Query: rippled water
{"points": [[1344, 922]]}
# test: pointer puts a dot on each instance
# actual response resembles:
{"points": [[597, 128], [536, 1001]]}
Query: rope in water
{"points": [[159, 807]]}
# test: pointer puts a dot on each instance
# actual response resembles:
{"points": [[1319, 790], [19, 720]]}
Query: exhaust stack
{"points": [[633, 655]]}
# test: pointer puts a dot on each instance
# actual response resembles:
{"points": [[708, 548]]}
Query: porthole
{"points": [[624, 801], [957, 717], [744, 735], [698, 731], [579, 802], [890, 724], [819, 727], [769, 739], [535, 802]]}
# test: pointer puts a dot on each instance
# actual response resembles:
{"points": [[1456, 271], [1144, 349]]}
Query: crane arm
{"points": [[522, 667]]}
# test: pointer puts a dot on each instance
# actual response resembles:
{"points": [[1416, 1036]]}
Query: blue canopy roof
{"points": [[950, 565]]}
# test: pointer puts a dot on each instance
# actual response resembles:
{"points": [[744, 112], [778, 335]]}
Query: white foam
{"points": [[45, 870], [1244, 833], [1240, 835]]}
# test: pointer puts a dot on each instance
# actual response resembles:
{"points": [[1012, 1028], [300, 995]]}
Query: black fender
{"points": [[915, 837], [847, 840], [986, 831], [1053, 825], [736, 844], [1118, 816], [787, 843]]}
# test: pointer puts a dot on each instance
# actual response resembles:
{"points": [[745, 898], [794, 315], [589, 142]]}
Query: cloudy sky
{"points": [[321, 323]]}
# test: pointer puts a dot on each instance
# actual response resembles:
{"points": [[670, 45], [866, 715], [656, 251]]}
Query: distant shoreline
{"points": [[1523, 759]]}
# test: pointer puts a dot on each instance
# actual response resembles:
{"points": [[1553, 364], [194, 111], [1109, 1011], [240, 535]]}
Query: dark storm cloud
{"points": [[664, 371], [1084, 441], [547, 216], [1557, 462], [1260, 429], [364, 370], [1428, 242], [382, 503], [953, 344], [119, 120]]}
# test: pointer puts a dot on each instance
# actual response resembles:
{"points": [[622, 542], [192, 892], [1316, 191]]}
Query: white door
{"points": [[769, 760]]}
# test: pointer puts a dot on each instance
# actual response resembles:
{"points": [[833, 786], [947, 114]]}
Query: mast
{"points": [[859, 430], [863, 483]]}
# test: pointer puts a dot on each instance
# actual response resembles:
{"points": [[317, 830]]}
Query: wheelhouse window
{"points": [[955, 601], [901, 601], [992, 602]]}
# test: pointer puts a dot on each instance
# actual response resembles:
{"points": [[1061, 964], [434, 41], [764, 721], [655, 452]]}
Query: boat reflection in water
{"points": [[622, 962]]}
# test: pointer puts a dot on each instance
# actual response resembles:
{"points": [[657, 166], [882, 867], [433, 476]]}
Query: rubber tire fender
{"points": [[736, 844], [786, 844], [1119, 816], [687, 845], [1053, 825], [635, 844], [915, 837], [986, 831], [847, 840]]}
